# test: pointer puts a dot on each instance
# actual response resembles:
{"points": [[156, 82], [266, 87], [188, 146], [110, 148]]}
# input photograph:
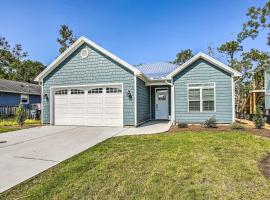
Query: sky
{"points": [[137, 31]]}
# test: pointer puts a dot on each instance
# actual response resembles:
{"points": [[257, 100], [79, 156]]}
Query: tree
{"points": [[230, 48], [259, 19], [13, 65], [183, 56], [66, 38], [20, 115]]}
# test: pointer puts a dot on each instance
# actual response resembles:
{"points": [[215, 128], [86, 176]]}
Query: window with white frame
{"points": [[201, 97], [76, 91], [24, 99], [113, 90], [95, 91]]}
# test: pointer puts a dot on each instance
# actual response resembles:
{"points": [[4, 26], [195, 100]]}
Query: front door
{"points": [[162, 106]]}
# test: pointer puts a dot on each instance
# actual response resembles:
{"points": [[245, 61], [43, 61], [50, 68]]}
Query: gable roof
{"points": [[157, 70], [208, 59], [75, 46], [19, 87]]}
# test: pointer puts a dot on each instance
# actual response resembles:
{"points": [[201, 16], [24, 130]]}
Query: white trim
{"points": [[75, 46], [207, 58], [172, 104], [41, 103], [161, 88], [53, 88], [135, 100], [86, 85], [150, 87], [201, 100], [27, 96], [233, 101]]}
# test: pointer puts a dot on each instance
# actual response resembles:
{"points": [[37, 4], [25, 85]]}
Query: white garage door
{"points": [[96, 106]]}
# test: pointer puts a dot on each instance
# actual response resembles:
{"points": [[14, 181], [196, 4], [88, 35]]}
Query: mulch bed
{"points": [[265, 166], [223, 128]]}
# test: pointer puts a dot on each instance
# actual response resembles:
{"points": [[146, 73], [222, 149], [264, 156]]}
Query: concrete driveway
{"points": [[30, 151]]}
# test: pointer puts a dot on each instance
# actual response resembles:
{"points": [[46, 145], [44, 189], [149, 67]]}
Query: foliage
{"points": [[231, 48], [258, 118], [259, 19], [66, 38], [13, 65], [237, 126], [190, 165], [20, 115], [13, 122], [211, 122], [8, 129], [182, 125], [183, 56]]}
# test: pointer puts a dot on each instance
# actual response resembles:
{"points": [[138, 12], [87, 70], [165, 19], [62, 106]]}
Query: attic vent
{"points": [[84, 53]]}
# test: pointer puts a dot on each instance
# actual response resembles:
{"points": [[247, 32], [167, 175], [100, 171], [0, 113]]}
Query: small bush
{"points": [[258, 119], [237, 126], [20, 115], [182, 125], [211, 122]]}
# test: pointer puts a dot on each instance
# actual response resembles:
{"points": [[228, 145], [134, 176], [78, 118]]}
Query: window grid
{"points": [[113, 90], [76, 91], [60, 92], [95, 91], [201, 97]]}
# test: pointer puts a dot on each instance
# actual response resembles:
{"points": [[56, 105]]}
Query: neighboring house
{"points": [[12, 93], [87, 85]]}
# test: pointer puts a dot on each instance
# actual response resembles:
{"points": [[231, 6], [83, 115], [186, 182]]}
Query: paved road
{"points": [[30, 151]]}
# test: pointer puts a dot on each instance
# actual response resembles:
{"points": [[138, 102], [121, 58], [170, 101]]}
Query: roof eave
{"points": [[207, 58], [73, 47]]}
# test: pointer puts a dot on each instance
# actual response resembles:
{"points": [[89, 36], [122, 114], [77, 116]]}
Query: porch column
{"points": [[172, 104]]}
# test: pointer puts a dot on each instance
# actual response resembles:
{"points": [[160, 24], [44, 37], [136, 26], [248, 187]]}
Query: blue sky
{"points": [[137, 31]]}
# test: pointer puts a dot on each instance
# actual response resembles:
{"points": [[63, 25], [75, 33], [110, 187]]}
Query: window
{"points": [[113, 90], [194, 100], [95, 91], [162, 97], [76, 91], [201, 97], [60, 92], [24, 99], [208, 99]]}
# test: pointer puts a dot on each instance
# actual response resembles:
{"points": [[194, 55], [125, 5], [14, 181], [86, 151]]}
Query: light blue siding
{"points": [[267, 89], [96, 68], [143, 102], [203, 72]]}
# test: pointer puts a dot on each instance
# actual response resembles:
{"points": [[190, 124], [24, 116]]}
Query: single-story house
{"points": [[88, 85], [13, 93]]}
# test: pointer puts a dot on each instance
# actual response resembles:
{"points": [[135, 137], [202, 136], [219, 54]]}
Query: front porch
{"points": [[160, 102]]}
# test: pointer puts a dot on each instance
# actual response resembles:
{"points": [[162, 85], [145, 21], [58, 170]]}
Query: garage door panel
{"points": [[94, 108]]}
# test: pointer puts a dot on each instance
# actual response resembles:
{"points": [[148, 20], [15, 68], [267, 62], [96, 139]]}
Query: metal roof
{"points": [[19, 87], [157, 70]]}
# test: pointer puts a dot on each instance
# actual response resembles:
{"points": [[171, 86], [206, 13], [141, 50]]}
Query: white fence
{"points": [[10, 111]]}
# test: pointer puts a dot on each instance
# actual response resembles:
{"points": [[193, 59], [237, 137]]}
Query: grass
{"points": [[187, 165], [12, 122], [7, 129]]}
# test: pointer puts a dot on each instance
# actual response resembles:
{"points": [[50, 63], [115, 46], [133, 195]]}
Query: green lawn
{"points": [[7, 129], [189, 165]]}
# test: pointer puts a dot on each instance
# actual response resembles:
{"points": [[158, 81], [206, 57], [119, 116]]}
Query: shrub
{"points": [[20, 115], [211, 122], [258, 119], [237, 126], [182, 125]]}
